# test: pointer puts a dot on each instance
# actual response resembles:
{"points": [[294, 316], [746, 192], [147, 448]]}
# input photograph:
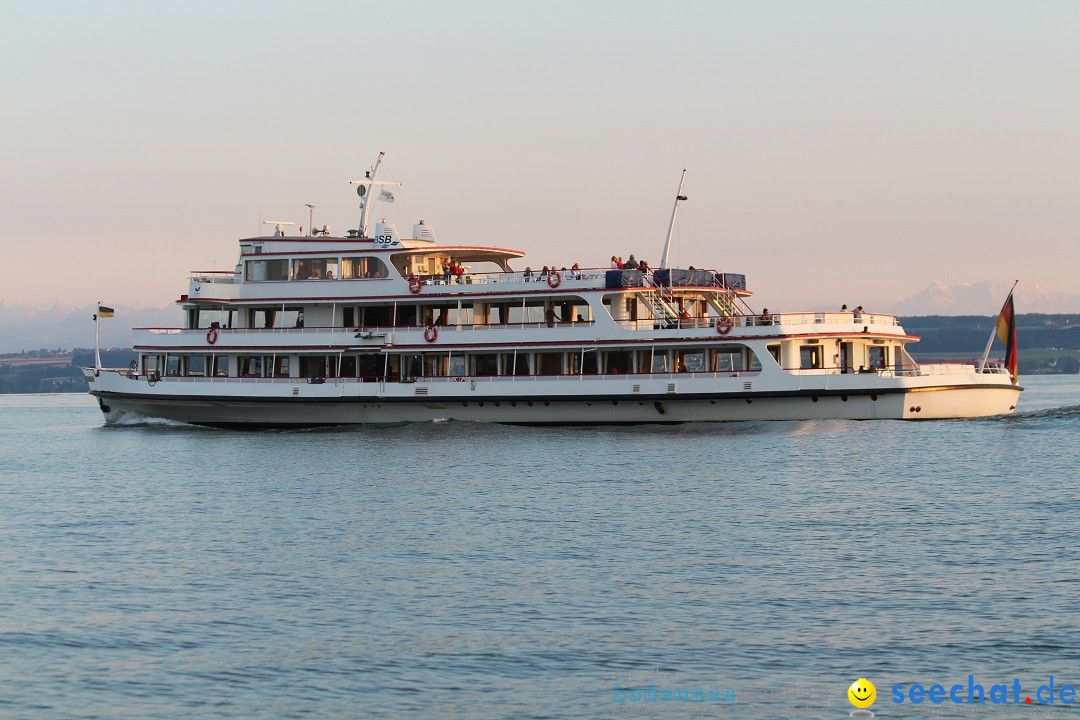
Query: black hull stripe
{"points": [[443, 399]]}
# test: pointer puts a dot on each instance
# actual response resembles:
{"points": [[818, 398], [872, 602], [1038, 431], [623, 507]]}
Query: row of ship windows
{"points": [[349, 268], [570, 310], [589, 362]]}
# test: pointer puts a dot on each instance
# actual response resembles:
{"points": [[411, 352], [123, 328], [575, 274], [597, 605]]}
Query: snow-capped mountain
{"points": [[984, 298], [67, 326]]}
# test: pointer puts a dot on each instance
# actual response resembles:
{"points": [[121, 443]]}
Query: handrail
{"points": [[371, 328]]}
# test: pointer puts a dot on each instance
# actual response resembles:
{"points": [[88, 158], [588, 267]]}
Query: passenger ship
{"points": [[312, 329]]}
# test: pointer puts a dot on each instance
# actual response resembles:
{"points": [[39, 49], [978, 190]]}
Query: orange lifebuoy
{"points": [[724, 325], [415, 284], [554, 279], [431, 333], [211, 335]]}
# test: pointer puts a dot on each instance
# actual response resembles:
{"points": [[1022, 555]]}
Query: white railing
{"points": [[835, 318], [222, 279]]}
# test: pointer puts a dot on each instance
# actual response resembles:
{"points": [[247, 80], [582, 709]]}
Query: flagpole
{"points": [[993, 331], [97, 339]]}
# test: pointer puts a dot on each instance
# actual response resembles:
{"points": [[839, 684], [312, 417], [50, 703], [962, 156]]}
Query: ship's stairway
{"points": [[727, 302], [660, 300], [661, 308], [722, 303]]}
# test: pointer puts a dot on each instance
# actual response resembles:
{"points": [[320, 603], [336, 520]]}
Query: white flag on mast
{"points": [[386, 196]]}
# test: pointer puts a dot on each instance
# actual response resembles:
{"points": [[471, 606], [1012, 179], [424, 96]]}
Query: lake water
{"points": [[449, 570]]}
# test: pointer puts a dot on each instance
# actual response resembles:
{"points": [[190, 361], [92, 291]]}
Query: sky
{"points": [[836, 152]]}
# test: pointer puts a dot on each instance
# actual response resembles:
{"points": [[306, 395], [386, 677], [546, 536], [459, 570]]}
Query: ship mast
{"points": [[671, 228], [364, 191]]}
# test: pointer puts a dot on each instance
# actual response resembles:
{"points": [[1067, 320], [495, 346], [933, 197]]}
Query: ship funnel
{"points": [[386, 235], [422, 231]]}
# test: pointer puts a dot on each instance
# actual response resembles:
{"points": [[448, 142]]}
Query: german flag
{"points": [[103, 311], [1006, 332]]}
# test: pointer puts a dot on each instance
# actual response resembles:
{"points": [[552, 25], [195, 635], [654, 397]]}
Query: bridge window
{"points": [[263, 270], [317, 269], [354, 268]]}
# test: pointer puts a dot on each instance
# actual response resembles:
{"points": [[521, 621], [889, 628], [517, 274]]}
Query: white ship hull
{"points": [[561, 401]]}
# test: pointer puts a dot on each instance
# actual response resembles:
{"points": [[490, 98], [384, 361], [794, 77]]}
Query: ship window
{"points": [[261, 317], [515, 363], [370, 366], [457, 366], [435, 365], [691, 361], [485, 364], [617, 362], [219, 365], [411, 366], [290, 317], [263, 270], [879, 356], [317, 269], [549, 363], [196, 365], [660, 361], [530, 312], [251, 366], [353, 268], [281, 366], [172, 365], [810, 357], [313, 366], [729, 360], [223, 318], [348, 366], [774, 350]]}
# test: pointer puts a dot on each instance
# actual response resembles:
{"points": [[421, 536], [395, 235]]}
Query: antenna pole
{"points": [[365, 204], [671, 227]]}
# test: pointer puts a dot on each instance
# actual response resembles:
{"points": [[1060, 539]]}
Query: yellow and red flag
{"points": [[1006, 332]]}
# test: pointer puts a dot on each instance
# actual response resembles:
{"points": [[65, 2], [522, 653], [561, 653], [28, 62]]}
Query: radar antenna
{"points": [[279, 226]]}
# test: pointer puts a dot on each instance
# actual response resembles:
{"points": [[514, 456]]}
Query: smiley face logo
{"points": [[862, 693]]}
